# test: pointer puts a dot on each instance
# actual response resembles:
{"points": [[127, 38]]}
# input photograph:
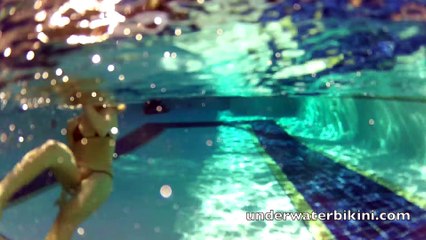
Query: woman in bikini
{"points": [[83, 167]]}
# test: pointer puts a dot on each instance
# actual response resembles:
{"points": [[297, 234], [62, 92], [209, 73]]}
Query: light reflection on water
{"points": [[212, 48]]}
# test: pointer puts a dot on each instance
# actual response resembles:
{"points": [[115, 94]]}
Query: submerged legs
{"points": [[56, 156], [52, 155]]}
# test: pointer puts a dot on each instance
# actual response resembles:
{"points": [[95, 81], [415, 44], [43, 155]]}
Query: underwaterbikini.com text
{"points": [[345, 215]]}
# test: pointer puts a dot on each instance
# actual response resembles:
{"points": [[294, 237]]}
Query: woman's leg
{"points": [[93, 191], [52, 155]]}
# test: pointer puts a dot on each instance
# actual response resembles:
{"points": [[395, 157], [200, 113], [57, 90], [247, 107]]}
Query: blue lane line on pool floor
{"points": [[328, 186]]}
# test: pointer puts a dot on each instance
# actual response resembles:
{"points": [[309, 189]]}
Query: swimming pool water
{"points": [[217, 172], [269, 105]]}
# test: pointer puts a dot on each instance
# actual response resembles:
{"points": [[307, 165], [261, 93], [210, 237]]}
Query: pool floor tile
{"points": [[327, 186]]}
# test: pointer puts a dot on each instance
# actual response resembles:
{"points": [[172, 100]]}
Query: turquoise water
{"points": [[215, 173], [344, 78]]}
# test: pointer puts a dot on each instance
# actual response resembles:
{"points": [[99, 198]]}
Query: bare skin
{"points": [[82, 167]]}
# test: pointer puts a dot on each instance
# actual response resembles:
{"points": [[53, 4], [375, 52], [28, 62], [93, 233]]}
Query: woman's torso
{"points": [[91, 151]]}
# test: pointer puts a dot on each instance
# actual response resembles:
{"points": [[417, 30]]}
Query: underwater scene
{"points": [[212, 119]]}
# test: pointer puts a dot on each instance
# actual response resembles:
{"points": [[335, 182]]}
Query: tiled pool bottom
{"points": [[329, 186], [218, 173]]}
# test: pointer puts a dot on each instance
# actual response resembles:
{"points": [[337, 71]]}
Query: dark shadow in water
{"points": [[138, 137]]}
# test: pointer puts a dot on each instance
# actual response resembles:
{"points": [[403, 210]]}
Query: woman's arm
{"points": [[71, 125], [101, 122]]}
